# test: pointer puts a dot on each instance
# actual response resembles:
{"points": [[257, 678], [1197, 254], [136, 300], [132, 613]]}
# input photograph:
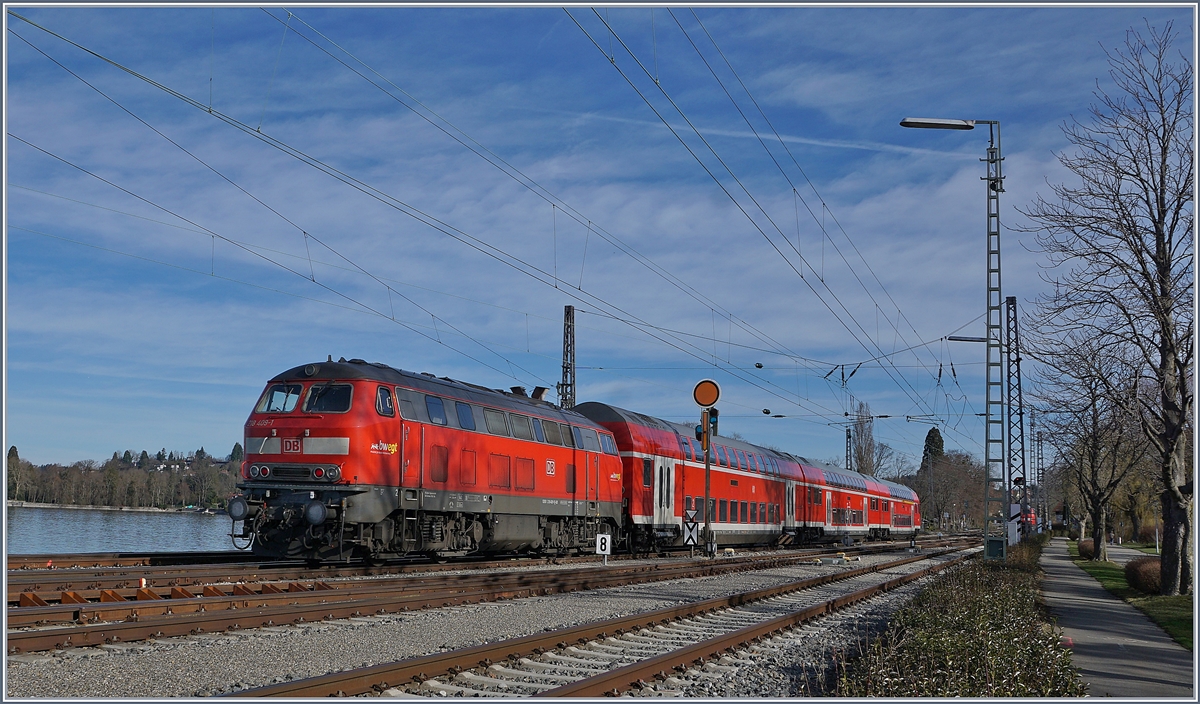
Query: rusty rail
{"points": [[377, 678]]}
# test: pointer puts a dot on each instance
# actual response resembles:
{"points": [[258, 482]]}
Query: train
{"points": [[355, 459]]}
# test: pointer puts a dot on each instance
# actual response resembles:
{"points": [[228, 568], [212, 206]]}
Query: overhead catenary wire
{"points": [[453, 132], [435, 223], [300, 156], [914, 396]]}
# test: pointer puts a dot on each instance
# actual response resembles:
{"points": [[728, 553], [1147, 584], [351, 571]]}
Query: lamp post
{"points": [[994, 456]]}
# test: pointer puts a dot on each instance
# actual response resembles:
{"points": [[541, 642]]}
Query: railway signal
{"points": [[706, 394]]}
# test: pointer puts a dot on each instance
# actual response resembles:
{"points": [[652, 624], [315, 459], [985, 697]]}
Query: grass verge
{"points": [[977, 631], [1174, 614]]}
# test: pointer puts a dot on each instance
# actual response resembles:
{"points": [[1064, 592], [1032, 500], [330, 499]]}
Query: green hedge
{"points": [[975, 632]]}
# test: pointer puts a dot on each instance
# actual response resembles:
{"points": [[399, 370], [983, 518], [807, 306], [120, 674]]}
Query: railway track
{"points": [[39, 587], [144, 612], [646, 651]]}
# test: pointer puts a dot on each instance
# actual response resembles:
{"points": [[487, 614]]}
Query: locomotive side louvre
{"points": [[425, 464]]}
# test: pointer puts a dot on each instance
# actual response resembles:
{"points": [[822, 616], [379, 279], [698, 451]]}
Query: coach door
{"points": [[663, 492]]}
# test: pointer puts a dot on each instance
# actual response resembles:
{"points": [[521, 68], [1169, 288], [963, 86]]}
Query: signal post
{"points": [[706, 394]]}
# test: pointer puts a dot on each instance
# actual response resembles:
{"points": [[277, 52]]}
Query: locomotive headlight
{"points": [[333, 473], [238, 508], [315, 512], [254, 470]]}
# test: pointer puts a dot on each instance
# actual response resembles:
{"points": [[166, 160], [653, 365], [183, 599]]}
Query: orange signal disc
{"points": [[706, 393]]}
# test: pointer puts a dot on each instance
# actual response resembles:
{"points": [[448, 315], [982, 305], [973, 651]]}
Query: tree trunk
{"points": [[1175, 564], [1099, 545]]}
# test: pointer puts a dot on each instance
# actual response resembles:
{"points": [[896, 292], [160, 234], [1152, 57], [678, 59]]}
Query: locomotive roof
{"points": [[426, 382]]}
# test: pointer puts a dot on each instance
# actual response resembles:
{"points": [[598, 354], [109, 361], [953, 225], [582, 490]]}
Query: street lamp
{"points": [[994, 548]]}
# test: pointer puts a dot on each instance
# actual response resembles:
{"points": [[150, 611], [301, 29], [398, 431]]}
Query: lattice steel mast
{"points": [[566, 388], [1017, 485], [994, 456]]}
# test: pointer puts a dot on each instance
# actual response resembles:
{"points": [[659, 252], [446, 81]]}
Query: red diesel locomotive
{"points": [[355, 459]]}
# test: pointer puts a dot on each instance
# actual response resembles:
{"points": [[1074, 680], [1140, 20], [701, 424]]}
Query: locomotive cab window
{"points": [[590, 441], [328, 398], [280, 398], [437, 410], [609, 445], [578, 438], [383, 402], [466, 420]]}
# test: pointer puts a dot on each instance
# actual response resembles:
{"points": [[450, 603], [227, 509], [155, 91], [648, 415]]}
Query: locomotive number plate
{"points": [[291, 444]]}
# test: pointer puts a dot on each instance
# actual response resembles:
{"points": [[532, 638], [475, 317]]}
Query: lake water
{"points": [[62, 530]]}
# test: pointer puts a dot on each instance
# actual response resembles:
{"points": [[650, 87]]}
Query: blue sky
{"points": [[148, 311]]}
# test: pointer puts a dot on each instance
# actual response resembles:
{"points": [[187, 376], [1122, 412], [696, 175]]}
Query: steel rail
{"points": [[125, 604], [377, 678], [153, 618], [41, 587], [637, 674]]}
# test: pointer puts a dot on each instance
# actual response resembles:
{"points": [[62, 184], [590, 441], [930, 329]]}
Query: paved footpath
{"points": [[1119, 651]]}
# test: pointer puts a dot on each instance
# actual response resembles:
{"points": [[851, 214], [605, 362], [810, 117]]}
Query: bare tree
{"points": [[864, 447], [1095, 432], [1120, 247]]}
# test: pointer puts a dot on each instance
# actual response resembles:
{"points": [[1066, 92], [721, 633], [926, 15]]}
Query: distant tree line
{"points": [[162, 480]]}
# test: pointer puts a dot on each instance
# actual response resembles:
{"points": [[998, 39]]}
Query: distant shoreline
{"points": [[136, 509]]}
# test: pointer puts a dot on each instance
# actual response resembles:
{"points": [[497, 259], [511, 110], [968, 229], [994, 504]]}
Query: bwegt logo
{"points": [[387, 447]]}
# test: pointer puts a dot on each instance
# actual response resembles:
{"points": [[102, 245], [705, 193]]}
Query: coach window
{"points": [[647, 472], [383, 402], [537, 430], [753, 512], [280, 398], [721, 455], [567, 438], [874, 504], [885, 506], [724, 510], [745, 512], [466, 420], [687, 503], [520, 427], [437, 410], [743, 461], [770, 513], [552, 434], [685, 448], [762, 512], [496, 424]]}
